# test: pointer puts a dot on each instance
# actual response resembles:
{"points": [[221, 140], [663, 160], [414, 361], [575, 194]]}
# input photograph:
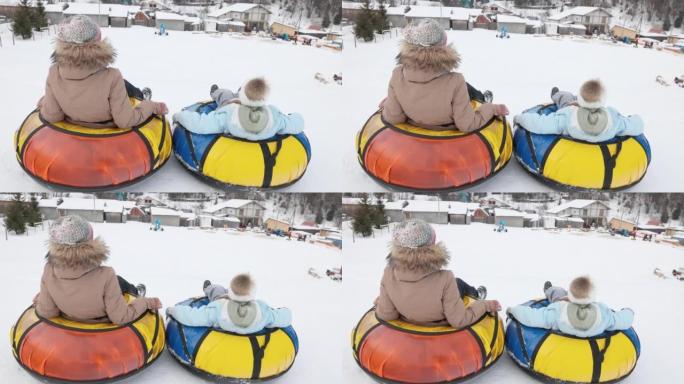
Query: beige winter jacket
{"points": [[76, 286], [424, 90], [415, 288], [82, 89]]}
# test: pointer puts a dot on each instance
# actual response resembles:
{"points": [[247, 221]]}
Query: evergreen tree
{"points": [[326, 20], [379, 215], [363, 222], [364, 23], [33, 215], [337, 20], [23, 20], [678, 20], [380, 20], [319, 215], [15, 220], [330, 216], [39, 19], [664, 216], [667, 25]]}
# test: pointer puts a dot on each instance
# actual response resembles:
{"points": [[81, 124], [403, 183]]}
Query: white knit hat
{"points": [[413, 234], [79, 29], [426, 33], [71, 230]]}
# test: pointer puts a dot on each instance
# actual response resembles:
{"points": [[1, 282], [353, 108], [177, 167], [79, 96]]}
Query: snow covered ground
{"points": [[180, 68], [521, 72], [174, 263], [514, 266]]}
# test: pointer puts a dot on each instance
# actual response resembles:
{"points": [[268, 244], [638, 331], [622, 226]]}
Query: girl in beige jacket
{"points": [[77, 286], [425, 90], [82, 89], [417, 289]]}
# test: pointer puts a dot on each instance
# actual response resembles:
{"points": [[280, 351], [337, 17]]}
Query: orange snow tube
{"points": [[413, 158], [400, 352], [73, 157]]}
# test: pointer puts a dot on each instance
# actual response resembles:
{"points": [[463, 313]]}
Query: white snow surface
{"points": [[521, 71], [514, 265], [180, 68], [174, 263]]}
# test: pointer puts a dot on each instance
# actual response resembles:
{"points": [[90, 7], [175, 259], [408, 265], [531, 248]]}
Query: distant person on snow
{"points": [[244, 114], [81, 87], [417, 289], [575, 312], [584, 117], [77, 286], [425, 90], [234, 310]]}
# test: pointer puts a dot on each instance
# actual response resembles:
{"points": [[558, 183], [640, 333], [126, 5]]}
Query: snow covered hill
{"points": [[174, 263], [521, 72], [180, 68], [514, 266]]}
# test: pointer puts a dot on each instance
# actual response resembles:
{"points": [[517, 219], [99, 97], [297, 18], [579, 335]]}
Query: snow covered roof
{"points": [[158, 211], [168, 16], [460, 208], [84, 204], [576, 11], [427, 206], [577, 204], [510, 19], [503, 212], [454, 13], [394, 205], [237, 7], [396, 11], [98, 9], [232, 203]]}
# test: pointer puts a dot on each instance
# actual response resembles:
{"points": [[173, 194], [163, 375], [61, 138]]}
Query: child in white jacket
{"points": [[585, 117], [234, 310], [574, 312], [245, 114]]}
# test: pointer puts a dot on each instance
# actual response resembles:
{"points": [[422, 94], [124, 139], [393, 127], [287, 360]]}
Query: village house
{"points": [[254, 16], [512, 24], [277, 225], [592, 212], [280, 29], [394, 211], [171, 21], [621, 32], [165, 216], [509, 217], [435, 212], [594, 19], [248, 212]]}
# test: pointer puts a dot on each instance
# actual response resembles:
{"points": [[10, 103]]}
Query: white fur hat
{"points": [[592, 95], [581, 291], [254, 92], [242, 288]]}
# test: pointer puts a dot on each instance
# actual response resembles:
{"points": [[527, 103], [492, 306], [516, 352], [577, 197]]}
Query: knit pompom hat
{"points": [[71, 230], [242, 288], [79, 29], [254, 92], [413, 234], [581, 291], [592, 95], [426, 33]]}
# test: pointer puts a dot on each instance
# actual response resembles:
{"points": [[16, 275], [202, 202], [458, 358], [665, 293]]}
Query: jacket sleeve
{"points": [[45, 306], [210, 123], [291, 124], [384, 307], [535, 317], [391, 109], [466, 119], [541, 124], [123, 113], [49, 107], [457, 314], [117, 309], [628, 125], [621, 319], [277, 317], [194, 317]]}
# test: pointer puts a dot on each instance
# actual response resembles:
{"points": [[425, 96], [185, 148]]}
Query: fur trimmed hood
{"points": [[82, 256], [423, 260], [430, 59], [89, 56]]}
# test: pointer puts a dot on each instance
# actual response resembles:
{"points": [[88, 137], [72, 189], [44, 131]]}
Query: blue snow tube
{"points": [[569, 163], [232, 162], [560, 358], [230, 357]]}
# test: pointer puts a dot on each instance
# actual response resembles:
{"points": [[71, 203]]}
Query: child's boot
{"points": [[147, 93], [488, 96], [142, 290], [481, 292]]}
